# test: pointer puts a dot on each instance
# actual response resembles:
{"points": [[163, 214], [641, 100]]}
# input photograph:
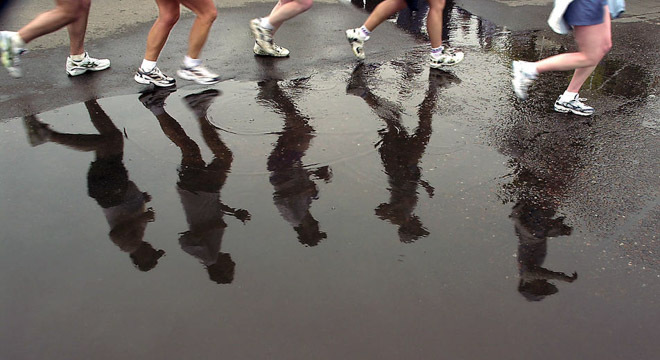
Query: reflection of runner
{"points": [[534, 225], [124, 205], [264, 28], [593, 34], [70, 13], [191, 69], [440, 55], [199, 183], [292, 181], [401, 152]]}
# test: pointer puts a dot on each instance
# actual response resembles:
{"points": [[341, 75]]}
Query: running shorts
{"points": [[585, 12]]}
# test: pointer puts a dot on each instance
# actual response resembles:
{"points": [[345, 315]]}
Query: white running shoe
{"points": [[575, 105], [155, 77], [521, 80], [278, 51], [198, 74], [263, 36], [448, 57], [9, 55], [357, 43], [75, 68]]}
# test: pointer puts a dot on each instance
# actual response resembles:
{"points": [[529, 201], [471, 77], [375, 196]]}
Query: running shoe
{"points": [[75, 68], [263, 36], [278, 51], [155, 77], [521, 80], [198, 74], [575, 105], [448, 57], [199, 103], [9, 55], [357, 43], [155, 98]]}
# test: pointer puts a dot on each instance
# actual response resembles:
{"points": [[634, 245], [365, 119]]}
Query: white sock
{"points": [[190, 62], [78, 57], [529, 68], [568, 96], [148, 65], [364, 33], [265, 23], [436, 52], [17, 41]]}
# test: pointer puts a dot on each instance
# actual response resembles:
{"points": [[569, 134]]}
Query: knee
{"points": [[306, 4], [85, 5], [168, 19], [209, 15], [598, 54]]}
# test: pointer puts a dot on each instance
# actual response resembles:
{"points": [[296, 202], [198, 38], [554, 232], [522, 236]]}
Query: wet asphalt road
{"points": [[311, 207]]}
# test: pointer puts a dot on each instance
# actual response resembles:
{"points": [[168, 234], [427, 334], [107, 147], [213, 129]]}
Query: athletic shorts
{"points": [[585, 12], [412, 5]]}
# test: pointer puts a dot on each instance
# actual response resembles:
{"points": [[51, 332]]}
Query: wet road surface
{"points": [[316, 208]]}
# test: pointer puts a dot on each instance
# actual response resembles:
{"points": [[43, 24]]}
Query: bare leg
{"points": [[386, 9], [168, 15], [287, 9], [206, 14], [434, 22], [594, 41], [77, 30], [64, 13]]}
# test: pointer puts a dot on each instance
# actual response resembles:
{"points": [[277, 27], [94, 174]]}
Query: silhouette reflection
{"points": [[533, 216], [293, 184], [401, 151], [199, 183], [123, 204]]}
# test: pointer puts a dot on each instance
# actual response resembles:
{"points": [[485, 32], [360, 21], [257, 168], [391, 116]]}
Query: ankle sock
{"points": [[436, 52], [568, 96], [265, 23], [17, 42], [78, 57], [364, 33], [148, 65], [529, 68], [190, 62]]}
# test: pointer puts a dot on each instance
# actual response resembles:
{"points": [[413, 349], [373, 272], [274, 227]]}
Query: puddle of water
{"points": [[331, 209]]}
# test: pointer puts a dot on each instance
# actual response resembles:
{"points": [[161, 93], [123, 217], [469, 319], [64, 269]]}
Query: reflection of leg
{"points": [[155, 101], [100, 119], [200, 103]]}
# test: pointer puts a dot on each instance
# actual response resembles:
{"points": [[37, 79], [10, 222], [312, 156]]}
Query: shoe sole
{"points": [[565, 110], [77, 72], [353, 41]]}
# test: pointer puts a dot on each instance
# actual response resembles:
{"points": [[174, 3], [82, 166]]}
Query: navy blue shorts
{"points": [[585, 12]]}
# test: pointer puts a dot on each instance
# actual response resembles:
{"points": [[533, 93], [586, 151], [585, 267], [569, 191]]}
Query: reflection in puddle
{"points": [[123, 204], [200, 183]]}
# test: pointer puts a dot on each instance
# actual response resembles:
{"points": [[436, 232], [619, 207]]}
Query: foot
{"points": [[38, 132], [521, 80], [278, 51], [576, 106], [263, 36], [447, 57], [198, 74], [356, 40], [200, 102], [154, 99], [75, 68], [9, 55], [155, 77]]}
